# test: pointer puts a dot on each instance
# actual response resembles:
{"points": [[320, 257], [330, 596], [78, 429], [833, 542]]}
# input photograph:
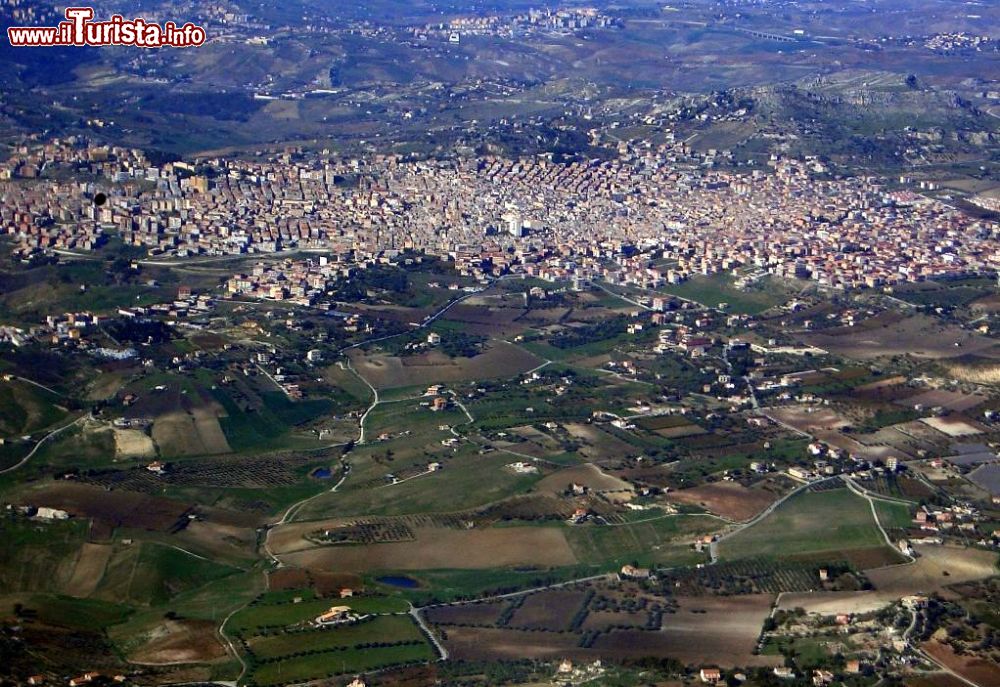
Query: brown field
{"points": [[918, 335], [548, 610], [723, 632], [727, 499], [500, 359], [952, 400], [835, 603], [589, 476], [826, 425], [323, 583], [601, 620], [933, 680], [440, 548], [724, 635], [954, 426], [486, 320], [118, 508], [466, 614], [681, 431], [131, 443], [598, 444], [498, 644], [192, 433], [864, 558], [180, 641], [89, 569], [978, 670], [927, 574], [219, 540], [287, 578]]}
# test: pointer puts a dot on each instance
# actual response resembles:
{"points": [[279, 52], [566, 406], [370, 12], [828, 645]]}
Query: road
{"points": [[40, 386], [232, 647], [618, 295], [442, 651], [863, 493], [532, 590], [930, 659], [41, 441]]}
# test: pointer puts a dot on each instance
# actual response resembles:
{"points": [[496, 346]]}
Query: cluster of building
{"points": [[598, 219], [533, 21], [949, 42]]}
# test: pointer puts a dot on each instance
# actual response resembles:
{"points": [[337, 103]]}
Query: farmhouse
{"points": [[710, 675], [46, 513], [634, 573], [336, 614]]}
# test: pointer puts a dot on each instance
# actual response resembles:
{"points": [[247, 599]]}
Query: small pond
{"points": [[398, 581]]}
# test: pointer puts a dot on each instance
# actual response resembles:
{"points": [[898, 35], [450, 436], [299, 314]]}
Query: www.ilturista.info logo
{"points": [[79, 29]]}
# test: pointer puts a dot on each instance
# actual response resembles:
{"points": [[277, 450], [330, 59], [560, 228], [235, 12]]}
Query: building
{"points": [[633, 573], [336, 614], [710, 675], [46, 513]]}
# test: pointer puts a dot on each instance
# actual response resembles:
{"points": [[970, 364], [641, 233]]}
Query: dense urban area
{"points": [[397, 344]]}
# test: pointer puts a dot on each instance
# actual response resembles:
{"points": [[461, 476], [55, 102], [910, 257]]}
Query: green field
{"points": [[79, 614], [808, 523], [468, 480], [718, 288], [329, 664], [25, 408], [32, 552], [270, 615], [666, 540], [893, 515], [385, 628], [151, 574]]}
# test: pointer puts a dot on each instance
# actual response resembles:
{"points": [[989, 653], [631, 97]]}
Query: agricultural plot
{"points": [[749, 576], [717, 289], [590, 621], [149, 574], [37, 557], [179, 641], [664, 540], [281, 641], [392, 628], [729, 500], [500, 359], [344, 661], [833, 523], [434, 548], [25, 409], [915, 335], [717, 630], [114, 508], [935, 568], [469, 480]]}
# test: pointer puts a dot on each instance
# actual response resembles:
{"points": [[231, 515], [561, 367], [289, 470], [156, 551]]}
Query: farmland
{"points": [[832, 522], [277, 634], [598, 620], [499, 360]]}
